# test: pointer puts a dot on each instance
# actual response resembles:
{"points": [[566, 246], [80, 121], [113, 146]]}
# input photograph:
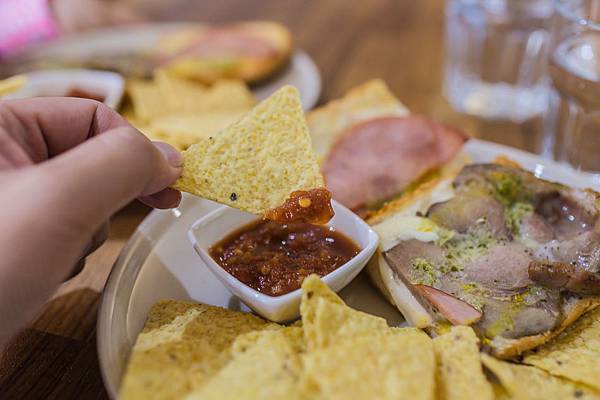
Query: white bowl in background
{"points": [[216, 225], [59, 82]]}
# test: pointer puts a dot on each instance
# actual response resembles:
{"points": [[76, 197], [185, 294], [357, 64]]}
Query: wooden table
{"points": [[399, 41]]}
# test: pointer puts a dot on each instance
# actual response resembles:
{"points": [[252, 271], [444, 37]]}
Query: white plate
{"points": [[159, 263], [133, 42]]}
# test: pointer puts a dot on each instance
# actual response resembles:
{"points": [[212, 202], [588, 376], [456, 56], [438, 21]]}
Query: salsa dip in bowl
{"points": [[254, 258]]}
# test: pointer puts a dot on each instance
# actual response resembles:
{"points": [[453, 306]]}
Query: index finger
{"points": [[47, 126]]}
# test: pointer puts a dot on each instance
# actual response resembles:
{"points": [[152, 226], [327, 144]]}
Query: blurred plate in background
{"points": [[128, 50]]}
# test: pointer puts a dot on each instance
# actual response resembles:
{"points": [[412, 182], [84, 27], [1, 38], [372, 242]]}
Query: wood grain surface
{"points": [[400, 41]]}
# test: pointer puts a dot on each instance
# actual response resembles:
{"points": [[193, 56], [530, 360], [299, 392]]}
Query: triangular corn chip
{"points": [[459, 372], [530, 383], [256, 163], [181, 347], [388, 367], [147, 101], [574, 354]]}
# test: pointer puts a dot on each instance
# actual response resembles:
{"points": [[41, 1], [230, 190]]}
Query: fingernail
{"points": [[174, 157]]}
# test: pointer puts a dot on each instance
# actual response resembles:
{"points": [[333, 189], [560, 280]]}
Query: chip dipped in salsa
{"points": [[275, 258]]}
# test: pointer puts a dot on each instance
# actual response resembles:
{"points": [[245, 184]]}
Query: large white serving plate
{"points": [[159, 262], [129, 41]]}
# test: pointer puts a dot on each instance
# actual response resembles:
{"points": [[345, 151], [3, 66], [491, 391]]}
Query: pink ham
{"points": [[230, 42], [374, 160], [454, 310]]}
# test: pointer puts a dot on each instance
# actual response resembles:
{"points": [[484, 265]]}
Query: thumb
{"points": [[92, 181]]}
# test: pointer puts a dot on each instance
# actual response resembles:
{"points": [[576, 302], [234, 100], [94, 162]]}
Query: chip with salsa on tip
{"points": [[263, 164]]}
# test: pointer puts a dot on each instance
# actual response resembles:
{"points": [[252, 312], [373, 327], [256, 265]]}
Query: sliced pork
{"points": [[511, 250]]}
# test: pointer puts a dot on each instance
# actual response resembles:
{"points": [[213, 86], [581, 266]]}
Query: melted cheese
{"points": [[405, 225], [400, 228]]}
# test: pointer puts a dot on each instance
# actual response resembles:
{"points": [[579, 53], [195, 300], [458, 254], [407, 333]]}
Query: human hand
{"points": [[66, 165]]}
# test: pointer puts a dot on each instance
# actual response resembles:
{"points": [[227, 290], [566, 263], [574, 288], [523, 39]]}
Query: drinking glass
{"points": [[496, 57], [572, 132]]}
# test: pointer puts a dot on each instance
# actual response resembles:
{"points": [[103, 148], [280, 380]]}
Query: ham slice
{"points": [[454, 310], [376, 159], [230, 42]]}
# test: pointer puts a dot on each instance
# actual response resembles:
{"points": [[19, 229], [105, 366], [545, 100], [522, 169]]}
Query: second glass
{"points": [[573, 122], [496, 57]]}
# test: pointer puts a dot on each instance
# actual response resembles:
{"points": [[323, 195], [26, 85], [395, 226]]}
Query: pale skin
{"points": [[66, 165]]}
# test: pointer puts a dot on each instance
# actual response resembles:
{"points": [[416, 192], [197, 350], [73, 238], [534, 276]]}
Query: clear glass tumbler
{"points": [[496, 57], [572, 132]]}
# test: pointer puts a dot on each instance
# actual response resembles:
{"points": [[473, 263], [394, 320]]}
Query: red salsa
{"points": [[312, 206], [274, 259], [85, 94]]}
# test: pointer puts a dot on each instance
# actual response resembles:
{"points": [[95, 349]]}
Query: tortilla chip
{"points": [[181, 346], [314, 289], [12, 84], [334, 322], [256, 163], [525, 382], [187, 129], [177, 91], [575, 353], [459, 374], [186, 96], [147, 100], [229, 94], [369, 100], [391, 367], [264, 365]]}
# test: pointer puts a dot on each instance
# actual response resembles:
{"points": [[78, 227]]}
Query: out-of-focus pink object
{"points": [[23, 22]]}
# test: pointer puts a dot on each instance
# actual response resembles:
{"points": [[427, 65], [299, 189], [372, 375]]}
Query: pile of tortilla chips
{"points": [[195, 351], [180, 112]]}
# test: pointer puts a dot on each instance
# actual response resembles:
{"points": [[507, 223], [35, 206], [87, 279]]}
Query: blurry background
{"points": [[401, 42]]}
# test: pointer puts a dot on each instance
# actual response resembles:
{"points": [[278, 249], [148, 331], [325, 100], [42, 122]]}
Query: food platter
{"points": [[159, 262], [130, 46]]}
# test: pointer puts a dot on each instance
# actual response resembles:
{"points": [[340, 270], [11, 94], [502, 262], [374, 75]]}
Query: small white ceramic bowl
{"points": [[213, 227], [60, 81]]}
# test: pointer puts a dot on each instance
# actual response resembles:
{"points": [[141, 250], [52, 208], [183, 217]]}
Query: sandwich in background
{"points": [[368, 140], [249, 51]]}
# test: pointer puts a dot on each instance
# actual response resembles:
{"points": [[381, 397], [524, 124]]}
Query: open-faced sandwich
{"points": [[249, 51], [371, 149], [494, 247]]}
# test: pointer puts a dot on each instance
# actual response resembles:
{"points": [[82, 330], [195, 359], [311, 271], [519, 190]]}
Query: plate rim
{"points": [[121, 269]]}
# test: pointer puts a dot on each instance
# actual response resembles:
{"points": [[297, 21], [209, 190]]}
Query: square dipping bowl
{"points": [[216, 225], [59, 82]]}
